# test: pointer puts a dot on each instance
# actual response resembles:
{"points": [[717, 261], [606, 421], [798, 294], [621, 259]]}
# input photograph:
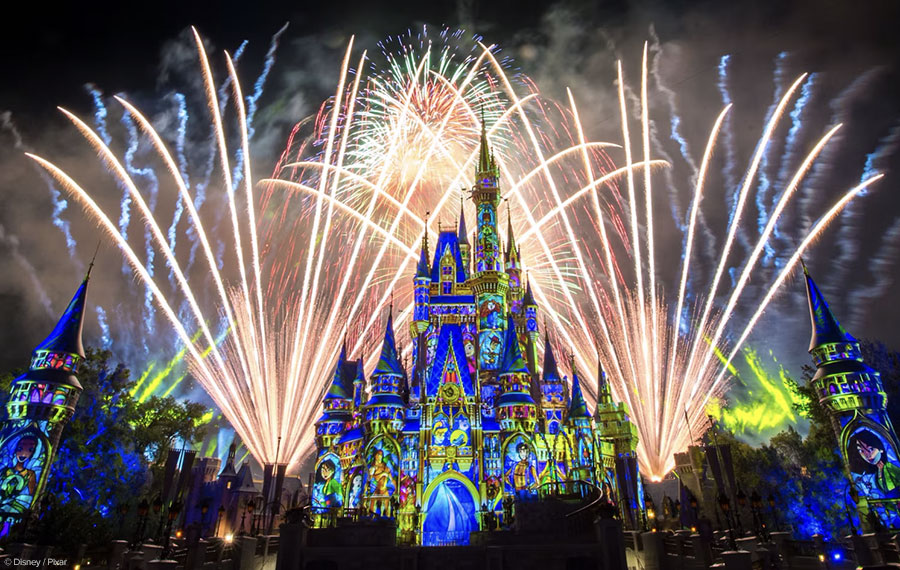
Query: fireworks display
{"points": [[316, 253]]}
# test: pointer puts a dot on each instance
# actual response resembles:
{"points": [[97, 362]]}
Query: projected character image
{"points": [[520, 473], [327, 490], [19, 479], [873, 463], [381, 477]]}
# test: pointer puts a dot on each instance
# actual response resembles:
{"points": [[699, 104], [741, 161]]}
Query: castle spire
{"points": [[550, 373], [66, 335], [825, 327], [339, 390], [512, 361], [462, 233], [484, 153], [577, 407], [389, 363], [512, 252], [422, 271], [528, 299]]}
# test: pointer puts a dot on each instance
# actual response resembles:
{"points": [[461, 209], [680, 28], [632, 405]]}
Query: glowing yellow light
{"points": [[229, 538]]}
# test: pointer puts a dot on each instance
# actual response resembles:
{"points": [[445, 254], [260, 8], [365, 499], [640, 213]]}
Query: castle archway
{"points": [[451, 511]]}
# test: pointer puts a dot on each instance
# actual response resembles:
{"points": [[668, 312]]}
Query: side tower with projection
{"points": [[41, 403], [852, 393], [490, 284], [614, 426]]}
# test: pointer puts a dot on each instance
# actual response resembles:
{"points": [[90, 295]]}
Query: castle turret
{"points": [[852, 393], [531, 330], [41, 402], [553, 393], [384, 411], [613, 425], [337, 403], [490, 284], [463, 236], [578, 419], [513, 265], [516, 409]]}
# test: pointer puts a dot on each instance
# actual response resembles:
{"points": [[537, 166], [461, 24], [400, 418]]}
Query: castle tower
{"points": [[578, 420], [553, 392], [613, 425], [513, 267], [516, 409], [384, 409], [463, 237], [337, 403], [531, 330], [41, 403], [852, 393], [490, 284]]}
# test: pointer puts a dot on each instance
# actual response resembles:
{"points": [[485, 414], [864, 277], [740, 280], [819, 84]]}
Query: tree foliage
{"points": [[108, 454]]}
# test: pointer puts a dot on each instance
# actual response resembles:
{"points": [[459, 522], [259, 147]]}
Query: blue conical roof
{"points": [[528, 299], [422, 270], [550, 372], [339, 390], [825, 327], [66, 335], [512, 361], [461, 232], [389, 363], [484, 152], [577, 407]]}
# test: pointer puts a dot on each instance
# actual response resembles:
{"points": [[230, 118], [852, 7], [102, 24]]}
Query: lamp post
{"points": [[204, 510], [695, 515], [143, 510], [756, 509], [221, 513], [251, 507], [771, 500], [174, 511], [157, 510], [725, 505], [123, 510], [651, 513], [741, 498]]}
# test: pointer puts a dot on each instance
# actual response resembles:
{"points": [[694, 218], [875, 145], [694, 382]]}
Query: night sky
{"points": [[49, 55]]}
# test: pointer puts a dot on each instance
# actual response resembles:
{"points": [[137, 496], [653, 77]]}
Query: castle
{"points": [[478, 425]]}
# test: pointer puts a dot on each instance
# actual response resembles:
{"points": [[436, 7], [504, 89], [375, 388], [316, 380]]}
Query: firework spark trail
{"points": [[149, 175], [11, 243], [849, 230], [105, 335], [790, 149], [181, 133], [821, 174], [200, 190], [750, 264], [253, 99], [738, 209], [811, 236], [885, 256], [762, 190], [678, 216], [729, 172], [686, 257]]}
